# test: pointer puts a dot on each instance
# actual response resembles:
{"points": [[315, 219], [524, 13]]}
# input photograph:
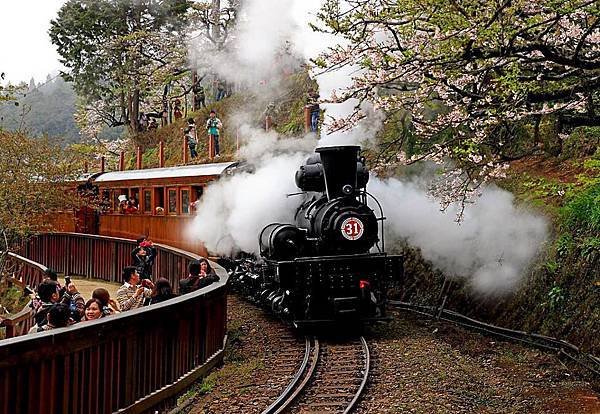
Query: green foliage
{"points": [[582, 211], [583, 141], [12, 298], [590, 247], [564, 245], [551, 266], [555, 297]]}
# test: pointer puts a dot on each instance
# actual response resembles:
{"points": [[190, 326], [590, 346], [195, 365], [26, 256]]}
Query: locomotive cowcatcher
{"points": [[330, 264]]}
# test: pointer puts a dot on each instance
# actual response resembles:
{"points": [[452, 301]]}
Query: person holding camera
{"points": [[143, 257], [131, 295], [109, 306], [49, 293]]}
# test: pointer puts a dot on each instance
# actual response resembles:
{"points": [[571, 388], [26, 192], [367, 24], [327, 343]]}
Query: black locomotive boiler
{"points": [[329, 265]]}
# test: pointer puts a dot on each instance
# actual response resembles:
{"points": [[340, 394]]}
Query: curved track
{"points": [[331, 378]]}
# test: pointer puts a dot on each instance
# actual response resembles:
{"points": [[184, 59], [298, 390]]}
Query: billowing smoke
{"points": [[491, 247], [234, 210]]}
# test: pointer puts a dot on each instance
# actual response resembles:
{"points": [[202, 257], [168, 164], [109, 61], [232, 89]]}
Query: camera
{"points": [[67, 280], [146, 283]]}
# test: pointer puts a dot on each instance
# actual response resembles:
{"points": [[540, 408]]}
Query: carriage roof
{"points": [[196, 170]]}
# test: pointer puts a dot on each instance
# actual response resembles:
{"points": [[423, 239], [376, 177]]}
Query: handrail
{"points": [[28, 273], [135, 361]]}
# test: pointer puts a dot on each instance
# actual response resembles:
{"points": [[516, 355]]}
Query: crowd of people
{"points": [[57, 306]]}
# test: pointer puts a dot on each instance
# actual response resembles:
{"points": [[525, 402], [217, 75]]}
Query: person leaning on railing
{"points": [[200, 275], [130, 295]]}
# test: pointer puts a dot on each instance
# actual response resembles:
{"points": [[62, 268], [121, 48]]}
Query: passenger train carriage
{"points": [[165, 203]]}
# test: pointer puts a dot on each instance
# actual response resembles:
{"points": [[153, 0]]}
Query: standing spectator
{"points": [[191, 137], [315, 112], [109, 306], [143, 242], [213, 126], [162, 291], [200, 275], [143, 261], [58, 317], [220, 90], [199, 97], [177, 113], [130, 295], [143, 122], [93, 310], [49, 294]]}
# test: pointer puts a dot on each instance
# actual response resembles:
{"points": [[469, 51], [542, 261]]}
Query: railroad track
{"points": [[331, 378]]}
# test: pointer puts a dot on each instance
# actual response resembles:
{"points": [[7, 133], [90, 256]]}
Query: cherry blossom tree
{"points": [[469, 78]]}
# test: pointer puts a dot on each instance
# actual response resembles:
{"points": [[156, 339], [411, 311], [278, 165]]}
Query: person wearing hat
{"points": [[213, 125], [122, 203]]}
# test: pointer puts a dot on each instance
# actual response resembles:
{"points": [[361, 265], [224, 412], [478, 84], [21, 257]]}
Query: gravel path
{"points": [[420, 366]]}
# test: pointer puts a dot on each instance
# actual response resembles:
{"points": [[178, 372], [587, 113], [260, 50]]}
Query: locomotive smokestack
{"points": [[339, 165]]}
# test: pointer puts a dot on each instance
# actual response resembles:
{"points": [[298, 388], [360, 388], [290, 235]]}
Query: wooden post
{"points": [[185, 152], [268, 123], [307, 109], [122, 161], [138, 158], [161, 154], [102, 163]]}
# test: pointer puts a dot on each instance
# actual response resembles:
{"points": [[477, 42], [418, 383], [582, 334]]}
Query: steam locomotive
{"points": [[329, 265]]}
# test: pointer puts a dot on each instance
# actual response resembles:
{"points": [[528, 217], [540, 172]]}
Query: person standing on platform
{"points": [[213, 126], [130, 295]]}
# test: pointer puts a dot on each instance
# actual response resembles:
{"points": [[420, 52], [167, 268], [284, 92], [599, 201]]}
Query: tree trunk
{"points": [[134, 111], [215, 15]]}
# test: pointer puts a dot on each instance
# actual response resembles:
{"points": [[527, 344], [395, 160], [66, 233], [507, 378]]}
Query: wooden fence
{"points": [[23, 272], [137, 361]]}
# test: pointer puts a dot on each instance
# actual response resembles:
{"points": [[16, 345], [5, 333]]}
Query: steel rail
{"points": [[540, 341], [363, 384], [294, 388]]}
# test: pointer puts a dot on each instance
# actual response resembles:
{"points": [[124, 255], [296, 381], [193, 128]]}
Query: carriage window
{"points": [[159, 200], [185, 201], [147, 201], [135, 193], [197, 192], [172, 201]]}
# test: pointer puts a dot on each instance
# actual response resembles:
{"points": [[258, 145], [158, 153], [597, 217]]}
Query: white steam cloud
{"points": [[234, 210], [491, 247]]}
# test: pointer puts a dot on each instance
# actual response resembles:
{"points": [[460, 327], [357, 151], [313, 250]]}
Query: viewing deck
{"points": [[137, 361]]}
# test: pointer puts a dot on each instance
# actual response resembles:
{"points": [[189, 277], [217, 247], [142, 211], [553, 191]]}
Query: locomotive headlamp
{"points": [[347, 189]]}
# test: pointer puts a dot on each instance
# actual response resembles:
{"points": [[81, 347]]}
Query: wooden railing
{"points": [[137, 361], [23, 272]]}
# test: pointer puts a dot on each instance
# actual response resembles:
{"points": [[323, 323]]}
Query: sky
{"points": [[25, 47]]}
